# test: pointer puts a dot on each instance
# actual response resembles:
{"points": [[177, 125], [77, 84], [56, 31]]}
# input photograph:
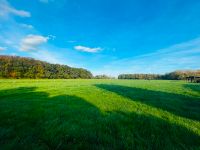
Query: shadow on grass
{"points": [[180, 105], [34, 120], [194, 87]]}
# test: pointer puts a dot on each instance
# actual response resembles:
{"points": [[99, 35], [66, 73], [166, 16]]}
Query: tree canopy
{"points": [[23, 67], [103, 77], [139, 76], [175, 75]]}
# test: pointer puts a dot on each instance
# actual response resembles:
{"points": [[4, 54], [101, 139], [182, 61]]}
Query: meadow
{"points": [[99, 114]]}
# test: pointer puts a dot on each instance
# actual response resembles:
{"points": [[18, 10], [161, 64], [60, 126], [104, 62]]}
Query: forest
{"points": [[22, 67], [175, 75]]}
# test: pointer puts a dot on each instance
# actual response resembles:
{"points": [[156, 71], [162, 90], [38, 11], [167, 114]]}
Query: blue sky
{"points": [[104, 36]]}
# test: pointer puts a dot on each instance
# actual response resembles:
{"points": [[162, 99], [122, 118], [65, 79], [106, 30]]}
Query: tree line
{"points": [[23, 67], [140, 76], [103, 77], [175, 75], [181, 75]]}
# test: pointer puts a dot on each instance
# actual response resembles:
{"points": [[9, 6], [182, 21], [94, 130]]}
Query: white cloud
{"points": [[28, 26], [6, 9], [3, 48], [87, 49], [31, 42]]}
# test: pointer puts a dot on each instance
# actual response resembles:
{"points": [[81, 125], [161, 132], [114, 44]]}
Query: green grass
{"points": [[99, 114]]}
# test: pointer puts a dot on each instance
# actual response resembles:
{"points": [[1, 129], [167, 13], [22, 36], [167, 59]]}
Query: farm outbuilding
{"points": [[193, 79]]}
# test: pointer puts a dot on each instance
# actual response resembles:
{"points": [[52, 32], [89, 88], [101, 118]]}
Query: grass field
{"points": [[99, 114]]}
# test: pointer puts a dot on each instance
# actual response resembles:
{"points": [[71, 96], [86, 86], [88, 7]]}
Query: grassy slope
{"points": [[97, 114]]}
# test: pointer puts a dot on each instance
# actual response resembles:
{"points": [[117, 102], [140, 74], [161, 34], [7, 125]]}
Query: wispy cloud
{"points": [[28, 26], [71, 41], [11, 31], [87, 49], [45, 1], [52, 37], [2, 48], [180, 56], [45, 55], [6, 9], [16, 39], [31, 42]]}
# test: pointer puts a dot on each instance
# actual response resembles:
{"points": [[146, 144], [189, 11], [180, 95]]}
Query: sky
{"points": [[104, 36]]}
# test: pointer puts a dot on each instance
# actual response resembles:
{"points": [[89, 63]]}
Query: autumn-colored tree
{"points": [[22, 67]]}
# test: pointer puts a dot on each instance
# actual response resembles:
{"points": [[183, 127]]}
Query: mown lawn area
{"points": [[99, 114]]}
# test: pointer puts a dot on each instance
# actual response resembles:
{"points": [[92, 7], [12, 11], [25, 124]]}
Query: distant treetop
{"points": [[175, 75]]}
